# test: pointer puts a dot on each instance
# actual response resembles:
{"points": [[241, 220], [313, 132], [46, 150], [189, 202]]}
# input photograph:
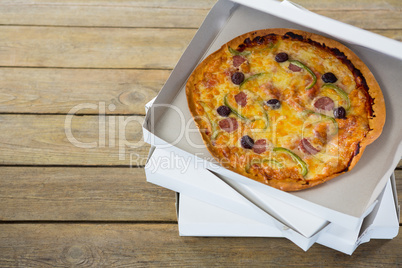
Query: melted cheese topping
{"points": [[297, 120]]}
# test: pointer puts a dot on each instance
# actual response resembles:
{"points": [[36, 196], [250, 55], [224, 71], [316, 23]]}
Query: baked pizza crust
{"points": [[376, 121]]}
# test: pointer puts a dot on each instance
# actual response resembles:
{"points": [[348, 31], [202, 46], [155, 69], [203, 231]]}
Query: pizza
{"points": [[285, 107]]}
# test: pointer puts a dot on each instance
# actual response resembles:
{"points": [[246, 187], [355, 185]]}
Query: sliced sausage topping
{"points": [[260, 146], [324, 103], [241, 99], [294, 68], [306, 147], [229, 124], [238, 60]]}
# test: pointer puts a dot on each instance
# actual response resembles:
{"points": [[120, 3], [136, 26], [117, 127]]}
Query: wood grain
{"points": [[67, 47], [88, 194], [378, 19], [204, 4], [207, 4], [132, 245], [164, 17], [82, 194], [94, 16], [92, 47], [42, 140], [47, 90]]}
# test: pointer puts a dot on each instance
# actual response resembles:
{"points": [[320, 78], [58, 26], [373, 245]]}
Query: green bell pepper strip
{"points": [[214, 126], [234, 110], [235, 52], [301, 65], [266, 116], [295, 157], [250, 78], [263, 161], [309, 112], [340, 92]]}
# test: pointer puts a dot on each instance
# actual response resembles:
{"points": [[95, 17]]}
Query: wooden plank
{"points": [[88, 194], [87, 140], [68, 47], [82, 194], [92, 47], [373, 19], [134, 16], [100, 16], [207, 4], [47, 90], [204, 4], [132, 245]]}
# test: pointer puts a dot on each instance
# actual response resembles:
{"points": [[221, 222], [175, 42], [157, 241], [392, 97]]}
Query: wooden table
{"points": [[74, 78]]}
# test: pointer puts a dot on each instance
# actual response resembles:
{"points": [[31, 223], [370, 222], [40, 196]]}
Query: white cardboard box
{"points": [[197, 218], [207, 206], [167, 125]]}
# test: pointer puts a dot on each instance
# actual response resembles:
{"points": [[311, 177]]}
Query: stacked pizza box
{"points": [[212, 201]]}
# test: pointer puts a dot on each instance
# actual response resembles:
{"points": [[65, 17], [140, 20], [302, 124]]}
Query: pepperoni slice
{"points": [[294, 68], [238, 60], [241, 99], [306, 147], [229, 124], [324, 103], [260, 146]]}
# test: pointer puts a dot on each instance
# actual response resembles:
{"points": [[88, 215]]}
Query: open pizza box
{"points": [[344, 201]]}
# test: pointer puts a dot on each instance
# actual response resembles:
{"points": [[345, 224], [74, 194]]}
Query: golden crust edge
{"points": [[376, 123]]}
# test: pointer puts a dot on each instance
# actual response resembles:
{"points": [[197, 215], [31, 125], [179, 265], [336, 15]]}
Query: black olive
{"points": [[340, 113], [223, 111], [274, 104], [237, 78], [281, 57], [247, 142], [329, 78]]}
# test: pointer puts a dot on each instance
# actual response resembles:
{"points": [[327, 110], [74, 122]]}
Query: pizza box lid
{"points": [[226, 21]]}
